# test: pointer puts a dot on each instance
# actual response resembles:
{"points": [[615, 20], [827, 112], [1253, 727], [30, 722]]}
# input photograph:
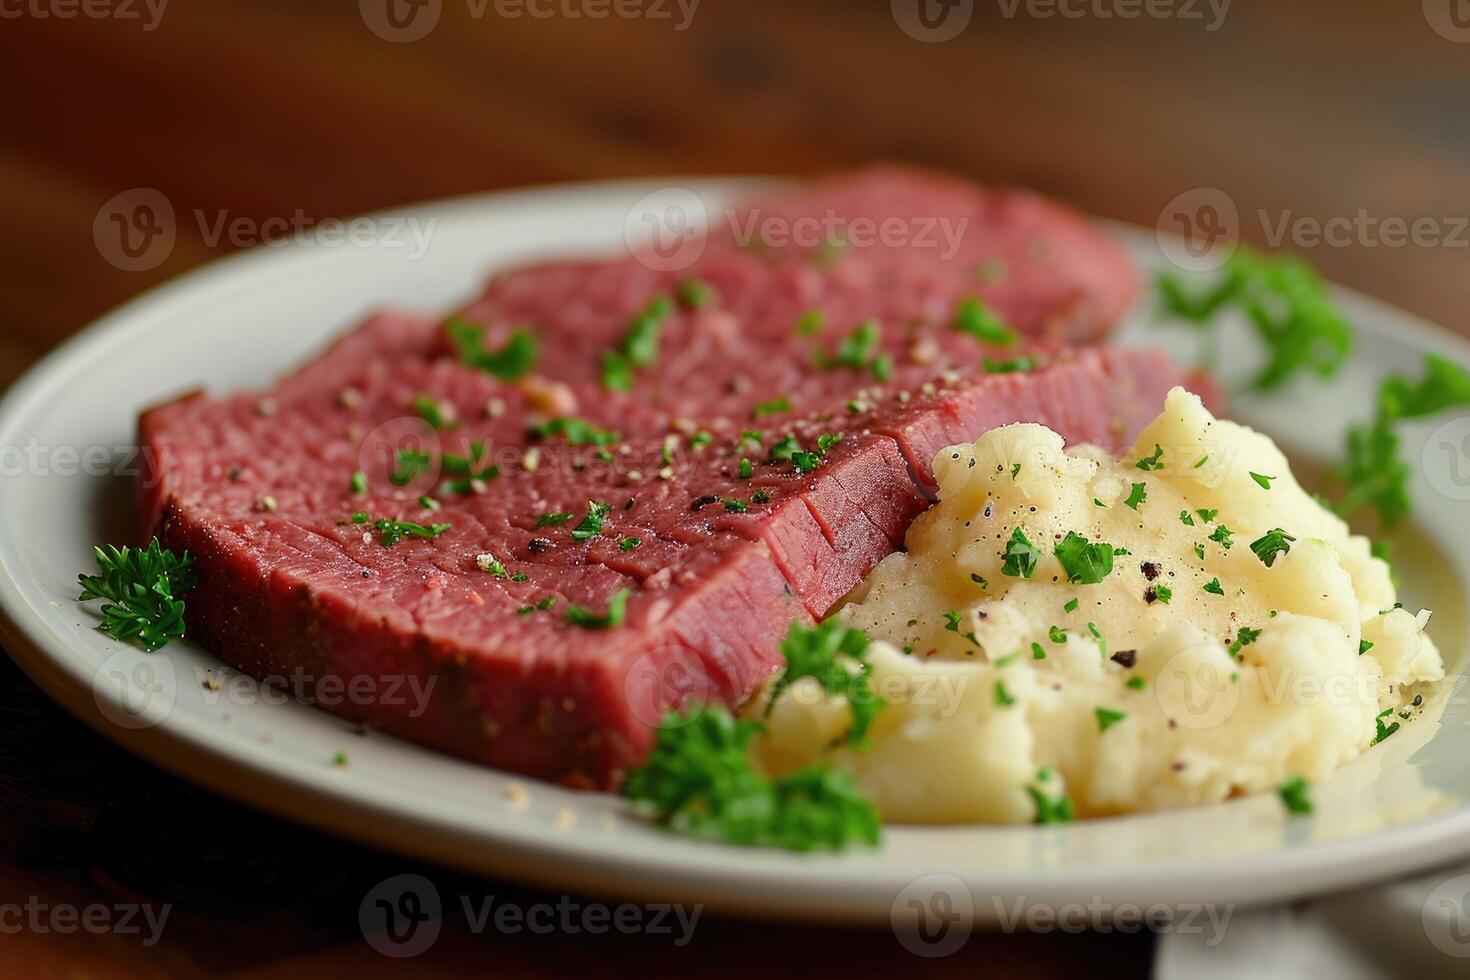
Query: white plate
{"points": [[239, 321]]}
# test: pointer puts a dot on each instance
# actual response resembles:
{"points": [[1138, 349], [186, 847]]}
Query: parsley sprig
{"points": [[140, 588], [699, 781], [824, 653], [508, 363]]}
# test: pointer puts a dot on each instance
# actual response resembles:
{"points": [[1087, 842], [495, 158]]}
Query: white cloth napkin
{"points": [[1417, 927]]}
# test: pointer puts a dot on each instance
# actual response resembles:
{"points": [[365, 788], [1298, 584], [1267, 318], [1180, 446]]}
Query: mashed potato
{"points": [[1072, 634]]}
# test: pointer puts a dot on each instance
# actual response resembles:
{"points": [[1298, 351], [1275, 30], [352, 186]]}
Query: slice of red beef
{"points": [[260, 486]]}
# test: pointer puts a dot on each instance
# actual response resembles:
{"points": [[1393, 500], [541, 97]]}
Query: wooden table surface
{"points": [[1353, 110]]}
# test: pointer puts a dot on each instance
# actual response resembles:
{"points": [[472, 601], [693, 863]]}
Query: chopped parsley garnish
{"points": [[629, 544], [591, 525], [760, 497], [1134, 683], [1214, 587], [746, 468], [825, 652], [617, 611], [1294, 795], [491, 565], [1244, 638], [1274, 542], [1163, 593], [1085, 562], [1199, 550], [1264, 481], [508, 363], [1207, 515], [429, 503], [735, 506], [140, 588], [1202, 461], [700, 439], [1020, 556], [952, 623], [359, 483], [773, 407], [699, 780], [1014, 365], [639, 347], [979, 580], [1003, 698], [554, 519], [1071, 605], [1153, 461], [1185, 519], [409, 465], [392, 532], [856, 350], [811, 322], [1057, 635], [1221, 535], [1107, 718], [439, 415], [1038, 652], [1364, 646], [696, 294], [466, 478], [788, 449], [1137, 495], [1383, 731], [575, 431], [1049, 808], [1015, 470], [976, 319]]}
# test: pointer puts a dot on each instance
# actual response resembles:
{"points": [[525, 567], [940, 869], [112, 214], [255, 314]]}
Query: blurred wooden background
{"points": [[261, 109]]}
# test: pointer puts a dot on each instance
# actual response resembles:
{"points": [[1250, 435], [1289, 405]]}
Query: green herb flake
{"points": [[392, 532], [1107, 718], [1383, 731], [696, 294], [1003, 698], [1153, 461], [617, 611], [1214, 587], [775, 406], [359, 482], [1020, 556], [1185, 519], [1137, 495], [976, 319], [1050, 809], [1294, 794], [508, 363], [591, 525], [1085, 562], [555, 519], [629, 544], [1264, 481], [1274, 542], [747, 469]]}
